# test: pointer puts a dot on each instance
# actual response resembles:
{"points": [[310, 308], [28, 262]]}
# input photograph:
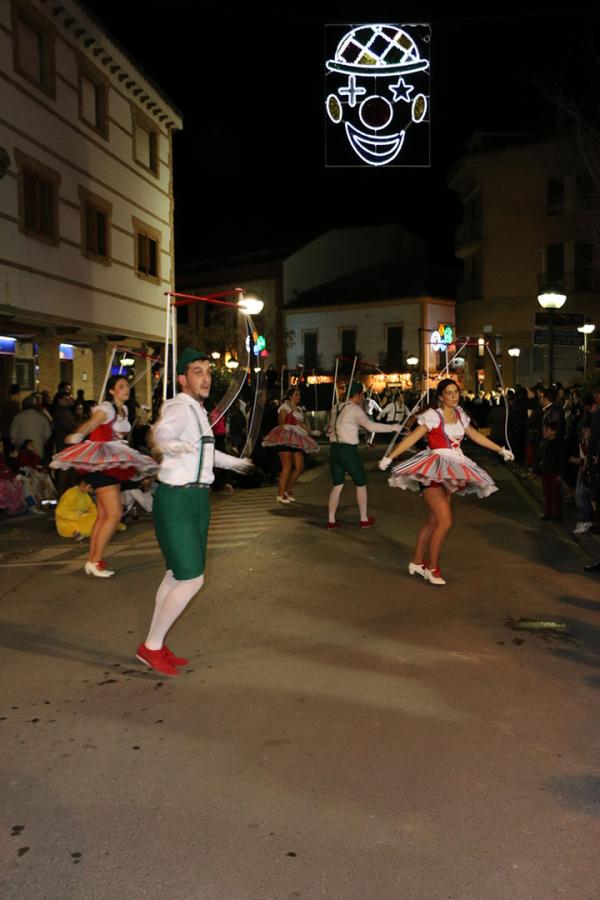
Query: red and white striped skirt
{"points": [[449, 468], [112, 457], [290, 437]]}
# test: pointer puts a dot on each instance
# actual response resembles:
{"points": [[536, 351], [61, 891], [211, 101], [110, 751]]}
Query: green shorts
{"points": [[344, 458], [181, 517]]}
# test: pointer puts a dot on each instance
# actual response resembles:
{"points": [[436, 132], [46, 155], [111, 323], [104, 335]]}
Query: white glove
{"points": [[506, 455], [177, 448], [384, 462], [75, 438], [243, 466]]}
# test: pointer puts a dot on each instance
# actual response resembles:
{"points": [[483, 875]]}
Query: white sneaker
{"points": [[289, 497], [417, 569], [98, 569], [434, 576], [282, 499], [582, 527]]}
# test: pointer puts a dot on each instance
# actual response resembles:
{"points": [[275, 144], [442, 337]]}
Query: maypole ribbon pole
{"points": [[167, 329], [334, 397], [107, 374], [351, 378]]}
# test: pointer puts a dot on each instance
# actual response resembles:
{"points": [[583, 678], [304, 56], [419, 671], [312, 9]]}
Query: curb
{"points": [[588, 542]]}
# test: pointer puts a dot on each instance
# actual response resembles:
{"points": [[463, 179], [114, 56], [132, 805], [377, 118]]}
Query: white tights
{"points": [[334, 499], [172, 597]]}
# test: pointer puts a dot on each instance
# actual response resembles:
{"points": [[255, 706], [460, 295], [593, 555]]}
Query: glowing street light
{"points": [[412, 361], [215, 355], [250, 305], [515, 352], [551, 299], [586, 329], [232, 364]]}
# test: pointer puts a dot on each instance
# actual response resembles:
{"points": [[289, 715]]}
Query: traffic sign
{"points": [[559, 338], [561, 319]]}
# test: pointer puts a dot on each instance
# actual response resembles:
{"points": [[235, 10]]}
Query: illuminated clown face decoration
{"points": [[381, 88]]}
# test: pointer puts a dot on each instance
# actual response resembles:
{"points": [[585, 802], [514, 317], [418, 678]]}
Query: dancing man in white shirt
{"points": [[182, 502], [346, 419]]}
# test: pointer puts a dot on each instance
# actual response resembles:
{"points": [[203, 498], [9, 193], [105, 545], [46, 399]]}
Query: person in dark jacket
{"points": [[551, 464], [533, 434], [593, 453], [552, 412]]}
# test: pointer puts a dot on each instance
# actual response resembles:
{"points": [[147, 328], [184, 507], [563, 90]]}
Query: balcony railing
{"points": [[585, 281]]}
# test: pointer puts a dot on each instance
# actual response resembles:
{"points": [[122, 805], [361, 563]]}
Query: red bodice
{"points": [[438, 439], [102, 434]]}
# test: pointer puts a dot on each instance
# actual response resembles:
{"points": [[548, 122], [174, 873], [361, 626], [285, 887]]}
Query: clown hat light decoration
{"points": [[377, 86]]}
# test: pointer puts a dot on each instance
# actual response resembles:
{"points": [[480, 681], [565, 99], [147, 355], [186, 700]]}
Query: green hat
{"points": [[357, 387], [188, 356]]}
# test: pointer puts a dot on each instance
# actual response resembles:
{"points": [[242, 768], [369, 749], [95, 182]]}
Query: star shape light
{"points": [[401, 90]]}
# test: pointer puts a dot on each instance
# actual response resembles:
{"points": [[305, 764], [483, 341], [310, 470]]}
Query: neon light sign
{"points": [[442, 338], [258, 346], [377, 83]]}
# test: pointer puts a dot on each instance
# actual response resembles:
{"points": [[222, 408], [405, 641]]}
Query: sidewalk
{"points": [[589, 542]]}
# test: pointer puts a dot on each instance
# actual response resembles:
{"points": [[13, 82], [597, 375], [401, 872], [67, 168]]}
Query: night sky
{"points": [[249, 164]]}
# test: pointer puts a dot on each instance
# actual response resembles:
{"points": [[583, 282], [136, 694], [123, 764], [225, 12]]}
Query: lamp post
{"points": [[551, 298], [586, 329], [412, 361], [515, 352]]}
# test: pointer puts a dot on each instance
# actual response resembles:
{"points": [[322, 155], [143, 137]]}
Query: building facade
{"points": [[527, 208], [86, 199], [350, 290]]}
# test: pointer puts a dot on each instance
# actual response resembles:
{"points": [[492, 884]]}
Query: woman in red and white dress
{"points": [[439, 472], [107, 460], [291, 439]]}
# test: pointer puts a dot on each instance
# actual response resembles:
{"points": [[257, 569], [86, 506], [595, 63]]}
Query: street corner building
{"points": [[86, 200]]}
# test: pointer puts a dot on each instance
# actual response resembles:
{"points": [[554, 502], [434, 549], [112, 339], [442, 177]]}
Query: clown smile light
{"points": [[377, 84]]}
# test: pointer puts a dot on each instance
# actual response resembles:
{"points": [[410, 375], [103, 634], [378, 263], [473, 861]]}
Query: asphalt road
{"points": [[342, 731]]}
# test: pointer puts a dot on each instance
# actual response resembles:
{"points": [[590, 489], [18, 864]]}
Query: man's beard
{"points": [[201, 397]]}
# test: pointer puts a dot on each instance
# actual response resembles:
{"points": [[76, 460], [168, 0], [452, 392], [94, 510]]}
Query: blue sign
{"points": [[7, 344]]}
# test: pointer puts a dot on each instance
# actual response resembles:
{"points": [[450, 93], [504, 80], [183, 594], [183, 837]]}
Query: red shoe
{"points": [[333, 525], [367, 523], [176, 660], [156, 659]]}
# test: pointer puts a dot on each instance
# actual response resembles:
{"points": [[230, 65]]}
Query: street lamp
{"points": [[250, 304], [412, 361], [515, 352], [586, 329], [216, 355], [551, 299]]}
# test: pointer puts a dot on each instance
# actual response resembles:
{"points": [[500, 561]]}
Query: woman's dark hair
{"points": [[291, 391], [110, 386], [444, 383]]}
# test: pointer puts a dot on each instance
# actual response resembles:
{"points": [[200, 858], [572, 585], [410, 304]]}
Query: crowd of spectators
{"points": [[34, 427], [554, 433]]}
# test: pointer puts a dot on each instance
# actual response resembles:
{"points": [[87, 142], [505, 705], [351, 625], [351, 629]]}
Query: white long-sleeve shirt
{"points": [[346, 421], [184, 419]]}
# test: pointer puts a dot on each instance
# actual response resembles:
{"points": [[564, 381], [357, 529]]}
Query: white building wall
{"points": [[370, 321], [57, 284], [341, 252]]}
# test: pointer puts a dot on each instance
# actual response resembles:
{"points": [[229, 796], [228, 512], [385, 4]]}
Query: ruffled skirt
{"points": [[114, 458], [290, 437], [450, 468]]}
